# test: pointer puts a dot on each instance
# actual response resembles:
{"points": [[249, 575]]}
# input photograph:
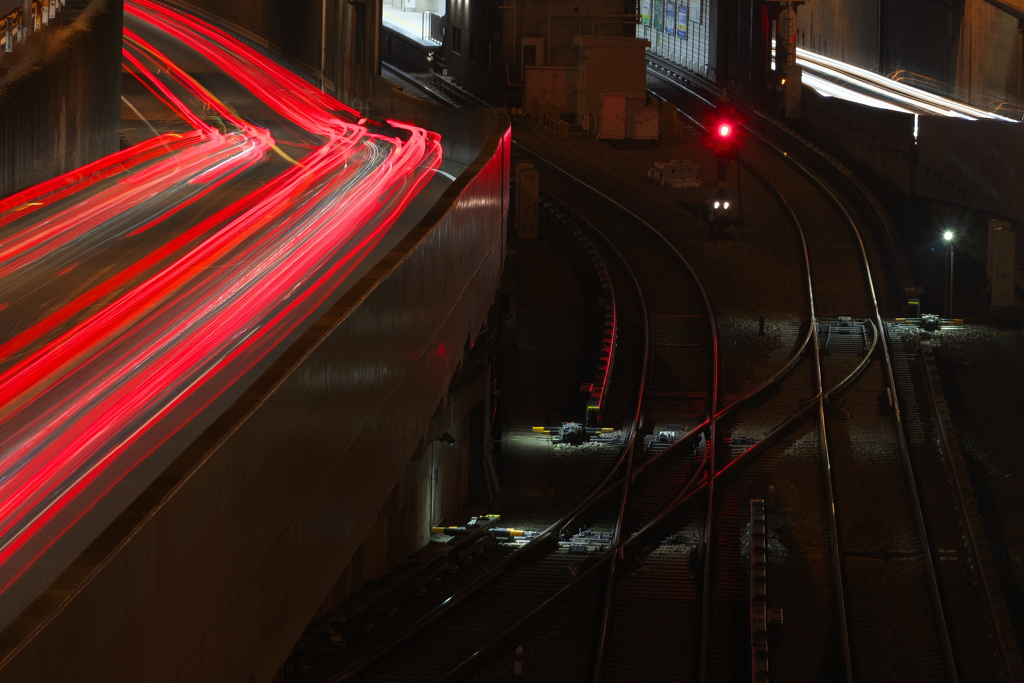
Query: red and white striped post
{"points": [[517, 664]]}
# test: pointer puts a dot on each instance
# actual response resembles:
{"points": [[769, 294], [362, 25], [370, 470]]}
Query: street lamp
{"points": [[948, 237]]}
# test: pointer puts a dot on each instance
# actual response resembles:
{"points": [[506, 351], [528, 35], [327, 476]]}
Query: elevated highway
{"points": [[223, 348]]}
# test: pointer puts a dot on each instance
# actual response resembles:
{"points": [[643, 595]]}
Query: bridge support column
{"points": [[26, 18]]}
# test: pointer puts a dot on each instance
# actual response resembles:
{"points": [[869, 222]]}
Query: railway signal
{"points": [[723, 211], [725, 137], [720, 210], [724, 140]]}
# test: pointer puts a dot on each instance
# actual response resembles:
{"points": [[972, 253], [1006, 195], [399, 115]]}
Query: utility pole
{"points": [[323, 42], [27, 23], [792, 82], [883, 67]]}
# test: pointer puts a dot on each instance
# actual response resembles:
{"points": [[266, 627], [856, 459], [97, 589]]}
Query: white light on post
{"points": [[948, 236]]}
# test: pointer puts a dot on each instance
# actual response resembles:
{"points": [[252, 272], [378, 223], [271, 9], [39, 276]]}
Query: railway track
{"points": [[679, 399], [882, 550], [720, 568], [568, 560], [811, 426]]}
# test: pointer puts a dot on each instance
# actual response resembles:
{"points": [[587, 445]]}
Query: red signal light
{"points": [[723, 138]]}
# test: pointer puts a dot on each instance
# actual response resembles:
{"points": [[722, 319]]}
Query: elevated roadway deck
{"points": [[209, 566]]}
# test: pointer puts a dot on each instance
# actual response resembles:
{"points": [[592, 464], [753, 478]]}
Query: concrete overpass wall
{"points": [[843, 30], [878, 139], [972, 163], [952, 160], [334, 40], [215, 570], [60, 95], [971, 49], [290, 26], [920, 43], [989, 68]]}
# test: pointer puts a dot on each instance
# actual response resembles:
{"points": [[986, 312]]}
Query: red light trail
{"points": [[118, 361]]}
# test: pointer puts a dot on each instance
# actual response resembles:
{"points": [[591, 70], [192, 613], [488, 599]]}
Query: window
{"points": [[456, 39], [532, 51], [529, 55]]}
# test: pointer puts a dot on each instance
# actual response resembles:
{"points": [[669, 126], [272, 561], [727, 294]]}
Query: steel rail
{"points": [[628, 452], [714, 388], [818, 400], [855, 189], [769, 437], [886, 356], [841, 209]]}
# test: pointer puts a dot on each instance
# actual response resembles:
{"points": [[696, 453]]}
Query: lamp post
{"points": [[948, 236]]}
